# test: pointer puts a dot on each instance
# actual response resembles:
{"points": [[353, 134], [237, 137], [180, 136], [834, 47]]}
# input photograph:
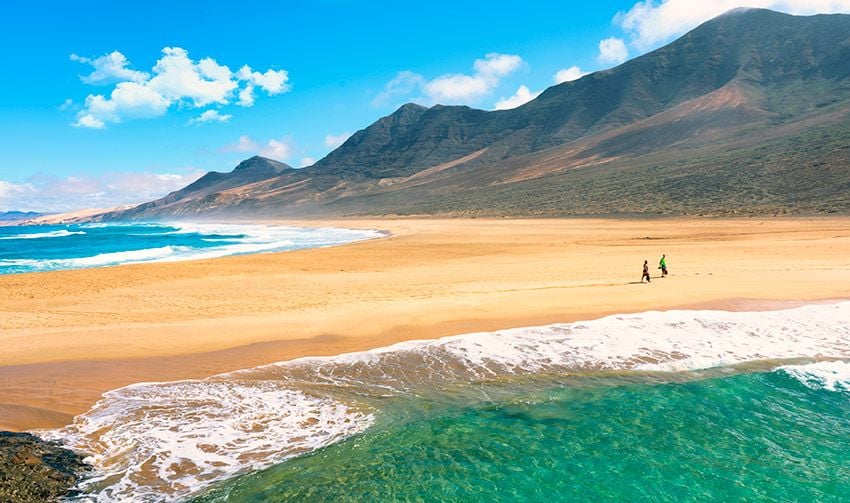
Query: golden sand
{"points": [[68, 336]]}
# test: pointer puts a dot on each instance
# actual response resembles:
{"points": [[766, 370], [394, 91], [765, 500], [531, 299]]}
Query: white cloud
{"points": [[109, 68], [48, 193], [280, 149], [453, 88], [243, 144], [522, 96], [307, 161], [210, 116], [88, 121], [403, 84], [460, 88], [335, 140], [128, 100], [496, 65], [175, 80], [612, 51], [272, 82], [650, 23], [568, 75], [9, 190], [456, 89], [246, 96]]}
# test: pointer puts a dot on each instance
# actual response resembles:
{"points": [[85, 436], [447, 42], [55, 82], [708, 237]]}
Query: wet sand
{"points": [[68, 336]]}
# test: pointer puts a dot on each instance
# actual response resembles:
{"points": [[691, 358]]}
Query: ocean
{"points": [[47, 248], [655, 406]]}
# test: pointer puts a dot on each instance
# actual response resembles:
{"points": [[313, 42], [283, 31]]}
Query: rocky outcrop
{"points": [[33, 470]]}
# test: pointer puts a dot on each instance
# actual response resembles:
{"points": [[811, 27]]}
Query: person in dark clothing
{"points": [[645, 272]]}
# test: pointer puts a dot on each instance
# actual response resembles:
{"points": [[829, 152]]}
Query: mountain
{"points": [[17, 216], [746, 114], [204, 194]]}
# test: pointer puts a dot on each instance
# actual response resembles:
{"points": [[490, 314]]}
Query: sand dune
{"points": [[68, 336]]}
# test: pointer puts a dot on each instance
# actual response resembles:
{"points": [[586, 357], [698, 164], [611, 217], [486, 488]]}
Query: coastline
{"points": [[71, 335]]}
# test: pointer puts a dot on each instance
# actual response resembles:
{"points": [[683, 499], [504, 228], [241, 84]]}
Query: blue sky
{"points": [[106, 103]]}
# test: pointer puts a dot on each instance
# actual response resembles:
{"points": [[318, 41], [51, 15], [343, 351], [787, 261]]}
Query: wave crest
{"points": [[199, 432], [41, 235], [830, 376]]}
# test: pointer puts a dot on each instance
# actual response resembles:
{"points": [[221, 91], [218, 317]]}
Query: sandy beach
{"points": [[68, 336]]}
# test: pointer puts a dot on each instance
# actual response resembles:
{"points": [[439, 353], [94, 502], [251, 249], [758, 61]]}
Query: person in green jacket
{"points": [[663, 265]]}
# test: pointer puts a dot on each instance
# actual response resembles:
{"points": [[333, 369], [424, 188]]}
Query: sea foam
{"points": [[830, 375], [223, 240], [42, 235], [164, 441]]}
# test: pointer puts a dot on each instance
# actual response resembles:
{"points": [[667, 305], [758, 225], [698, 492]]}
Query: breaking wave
{"points": [[119, 244], [830, 376], [164, 441], [41, 235]]}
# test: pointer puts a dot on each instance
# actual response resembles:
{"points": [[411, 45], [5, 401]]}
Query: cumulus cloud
{"points": [[272, 82], [453, 88], [461, 88], [522, 96], [8, 190], [178, 78], [456, 89], [128, 100], [650, 23], [568, 75], [246, 96], [280, 149], [243, 144], [307, 161], [612, 51], [109, 68], [48, 193], [403, 84], [210, 116], [175, 80], [335, 140]]}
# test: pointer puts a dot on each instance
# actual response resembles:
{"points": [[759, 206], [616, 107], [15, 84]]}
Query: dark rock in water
{"points": [[32, 469]]}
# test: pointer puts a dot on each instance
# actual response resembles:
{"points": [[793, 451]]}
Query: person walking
{"points": [[645, 272], [663, 265]]}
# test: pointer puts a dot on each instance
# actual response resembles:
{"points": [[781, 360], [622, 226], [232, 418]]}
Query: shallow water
{"points": [[756, 437], [52, 247], [474, 412]]}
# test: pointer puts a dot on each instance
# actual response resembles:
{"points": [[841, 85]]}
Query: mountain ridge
{"points": [[745, 74]]}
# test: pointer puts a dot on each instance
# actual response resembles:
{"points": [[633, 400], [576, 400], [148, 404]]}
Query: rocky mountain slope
{"points": [[746, 114]]}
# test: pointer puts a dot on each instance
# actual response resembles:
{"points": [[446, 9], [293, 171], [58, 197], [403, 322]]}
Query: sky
{"points": [[111, 103]]}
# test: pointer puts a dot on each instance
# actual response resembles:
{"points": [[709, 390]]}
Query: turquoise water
{"points": [[654, 406], [52, 247], [762, 436]]}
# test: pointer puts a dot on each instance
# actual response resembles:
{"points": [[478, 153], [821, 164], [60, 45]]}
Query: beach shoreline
{"points": [[69, 336]]}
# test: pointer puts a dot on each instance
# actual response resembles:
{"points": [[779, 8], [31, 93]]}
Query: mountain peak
{"points": [[699, 111], [411, 106], [742, 10], [258, 162]]}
